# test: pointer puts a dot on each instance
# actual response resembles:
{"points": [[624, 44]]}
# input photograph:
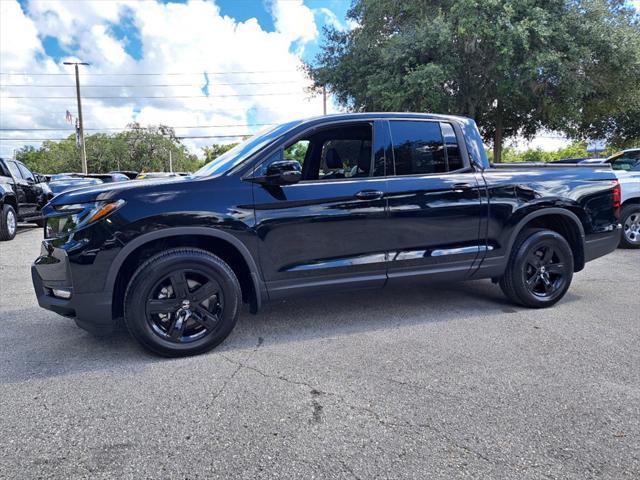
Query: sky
{"points": [[228, 67], [231, 67]]}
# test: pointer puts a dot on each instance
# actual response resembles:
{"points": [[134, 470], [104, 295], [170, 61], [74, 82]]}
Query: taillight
{"points": [[617, 199]]}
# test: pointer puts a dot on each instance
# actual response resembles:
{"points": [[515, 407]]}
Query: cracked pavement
{"points": [[419, 382]]}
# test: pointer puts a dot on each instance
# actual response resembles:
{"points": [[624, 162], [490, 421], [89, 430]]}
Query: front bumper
{"points": [[91, 311], [601, 244]]}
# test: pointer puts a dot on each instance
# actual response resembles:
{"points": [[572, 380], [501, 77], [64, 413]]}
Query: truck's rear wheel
{"points": [[540, 269], [8, 223], [181, 302], [630, 219]]}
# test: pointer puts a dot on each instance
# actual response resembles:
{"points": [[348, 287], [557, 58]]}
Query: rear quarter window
{"points": [[418, 147]]}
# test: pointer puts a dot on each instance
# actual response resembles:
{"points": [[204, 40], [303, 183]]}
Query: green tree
{"points": [[215, 150], [137, 148], [515, 66]]}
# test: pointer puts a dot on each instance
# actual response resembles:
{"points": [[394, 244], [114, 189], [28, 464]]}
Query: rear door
{"points": [[26, 205], [31, 188], [436, 209], [328, 230]]}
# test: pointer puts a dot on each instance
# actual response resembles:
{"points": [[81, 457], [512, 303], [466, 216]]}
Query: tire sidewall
{"points": [[527, 246], [4, 223], [147, 276]]}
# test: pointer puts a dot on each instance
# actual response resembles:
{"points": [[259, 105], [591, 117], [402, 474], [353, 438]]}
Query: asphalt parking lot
{"points": [[421, 382]]}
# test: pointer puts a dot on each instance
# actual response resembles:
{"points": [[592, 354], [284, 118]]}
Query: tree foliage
{"points": [[515, 66], [137, 148], [577, 149], [214, 151]]}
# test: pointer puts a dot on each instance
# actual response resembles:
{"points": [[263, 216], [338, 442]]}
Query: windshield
{"points": [[237, 154]]}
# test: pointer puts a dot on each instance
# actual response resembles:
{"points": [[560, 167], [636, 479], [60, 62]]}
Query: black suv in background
{"points": [[22, 196], [315, 207]]}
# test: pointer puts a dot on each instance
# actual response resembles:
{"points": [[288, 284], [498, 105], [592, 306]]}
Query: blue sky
{"points": [[240, 10], [183, 63]]}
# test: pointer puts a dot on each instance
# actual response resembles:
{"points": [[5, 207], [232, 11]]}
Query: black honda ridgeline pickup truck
{"points": [[314, 207]]}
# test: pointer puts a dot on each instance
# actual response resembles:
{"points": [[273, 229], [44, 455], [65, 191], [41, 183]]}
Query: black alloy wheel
{"points": [[544, 272], [185, 306], [540, 269], [183, 301]]}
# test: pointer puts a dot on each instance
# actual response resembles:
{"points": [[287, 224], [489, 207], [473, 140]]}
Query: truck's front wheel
{"points": [[540, 269], [183, 301]]}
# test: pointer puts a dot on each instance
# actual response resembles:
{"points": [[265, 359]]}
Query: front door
{"points": [[328, 230], [436, 209]]}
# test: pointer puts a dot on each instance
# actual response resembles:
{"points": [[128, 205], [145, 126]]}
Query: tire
{"points": [[164, 309], [630, 220], [8, 223], [540, 269], [39, 222]]}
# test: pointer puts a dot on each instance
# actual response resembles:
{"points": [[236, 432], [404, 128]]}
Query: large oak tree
{"points": [[515, 66]]}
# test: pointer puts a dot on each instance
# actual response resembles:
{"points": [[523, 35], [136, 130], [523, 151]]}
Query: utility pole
{"points": [[324, 100], [170, 161], [83, 151]]}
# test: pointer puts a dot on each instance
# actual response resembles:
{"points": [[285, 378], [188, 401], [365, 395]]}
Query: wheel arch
{"points": [[560, 220], [631, 201], [218, 242], [9, 199]]}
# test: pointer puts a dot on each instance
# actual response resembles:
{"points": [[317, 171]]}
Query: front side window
{"points": [[418, 147], [297, 151], [339, 152], [26, 174]]}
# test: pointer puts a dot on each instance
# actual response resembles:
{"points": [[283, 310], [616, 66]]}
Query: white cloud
{"points": [[294, 20], [186, 38], [19, 43], [331, 18]]}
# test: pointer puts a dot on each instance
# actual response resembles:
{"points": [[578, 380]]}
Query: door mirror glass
{"points": [[283, 172]]}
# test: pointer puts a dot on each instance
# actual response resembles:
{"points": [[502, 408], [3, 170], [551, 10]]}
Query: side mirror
{"points": [[283, 172]]}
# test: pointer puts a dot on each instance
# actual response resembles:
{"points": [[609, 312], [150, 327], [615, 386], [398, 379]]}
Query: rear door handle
{"points": [[461, 187], [369, 195]]}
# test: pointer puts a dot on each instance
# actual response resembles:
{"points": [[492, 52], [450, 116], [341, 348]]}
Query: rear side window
{"points": [[13, 168], [422, 148], [418, 147], [454, 158]]}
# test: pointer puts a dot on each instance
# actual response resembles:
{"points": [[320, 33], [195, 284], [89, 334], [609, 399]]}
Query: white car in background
{"points": [[626, 165]]}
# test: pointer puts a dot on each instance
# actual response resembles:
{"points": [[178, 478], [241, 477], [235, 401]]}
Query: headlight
{"points": [[69, 218]]}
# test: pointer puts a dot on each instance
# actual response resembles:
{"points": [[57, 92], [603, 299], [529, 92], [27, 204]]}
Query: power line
{"points": [[180, 137], [12, 129], [166, 97], [200, 85], [30, 74]]}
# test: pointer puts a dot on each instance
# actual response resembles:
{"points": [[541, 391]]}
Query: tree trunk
{"points": [[497, 139]]}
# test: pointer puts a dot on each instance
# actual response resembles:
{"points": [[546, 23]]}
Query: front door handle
{"points": [[369, 195], [461, 187]]}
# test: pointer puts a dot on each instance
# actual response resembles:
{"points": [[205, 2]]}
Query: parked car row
{"points": [[22, 196], [23, 193], [626, 166]]}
